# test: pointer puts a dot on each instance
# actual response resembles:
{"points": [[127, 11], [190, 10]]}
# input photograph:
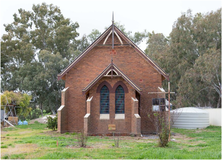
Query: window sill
{"points": [[119, 116], [104, 116]]}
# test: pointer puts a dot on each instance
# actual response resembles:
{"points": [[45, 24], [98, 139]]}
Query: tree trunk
{"points": [[41, 109], [218, 103]]}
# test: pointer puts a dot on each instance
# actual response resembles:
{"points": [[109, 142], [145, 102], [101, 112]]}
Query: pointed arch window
{"points": [[104, 100], [119, 100]]}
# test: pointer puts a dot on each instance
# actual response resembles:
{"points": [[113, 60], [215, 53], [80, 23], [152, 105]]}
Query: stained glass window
{"points": [[119, 100], [104, 100]]}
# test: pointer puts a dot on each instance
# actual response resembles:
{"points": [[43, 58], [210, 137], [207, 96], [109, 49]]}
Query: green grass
{"points": [[41, 143], [47, 141], [36, 126], [4, 146]]}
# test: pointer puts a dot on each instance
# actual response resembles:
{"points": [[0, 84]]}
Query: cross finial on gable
{"points": [[113, 18], [113, 31]]}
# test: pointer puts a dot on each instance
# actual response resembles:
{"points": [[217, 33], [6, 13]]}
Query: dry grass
{"points": [[19, 148]]}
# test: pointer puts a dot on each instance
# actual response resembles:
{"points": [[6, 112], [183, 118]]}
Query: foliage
{"points": [[191, 56], [35, 113], [10, 98], [52, 123], [4, 146], [37, 46], [161, 123], [82, 139], [206, 75], [137, 38], [93, 35], [22, 100]]}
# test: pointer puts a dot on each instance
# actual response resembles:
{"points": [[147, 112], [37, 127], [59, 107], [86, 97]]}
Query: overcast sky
{"points": [[136, 15]]}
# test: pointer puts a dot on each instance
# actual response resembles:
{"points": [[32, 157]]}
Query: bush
{"points": [[52, 123], [161, 124], [82, 139], [5, 157]]}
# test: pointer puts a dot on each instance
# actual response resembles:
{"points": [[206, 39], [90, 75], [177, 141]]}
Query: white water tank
{"points": [[189, 118]]}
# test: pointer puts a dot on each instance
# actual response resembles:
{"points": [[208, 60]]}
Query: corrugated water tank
{"points": [[189, 118]]}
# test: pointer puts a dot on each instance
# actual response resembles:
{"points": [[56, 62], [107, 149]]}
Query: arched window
{"points": [[104, 100], [119, 100]]}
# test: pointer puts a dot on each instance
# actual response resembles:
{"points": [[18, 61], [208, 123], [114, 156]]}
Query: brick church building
{"points": [[106, 88]]}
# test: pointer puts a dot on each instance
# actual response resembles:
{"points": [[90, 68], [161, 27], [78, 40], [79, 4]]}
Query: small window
{"points": [[119, 100], [104, 100], [158, 104]]}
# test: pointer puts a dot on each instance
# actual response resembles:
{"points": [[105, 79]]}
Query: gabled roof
{"points": [[113, 29], [111, 71]]}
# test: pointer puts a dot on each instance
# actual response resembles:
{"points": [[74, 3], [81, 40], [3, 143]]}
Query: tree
{"points": [[21, 100], [157, 49], [37, 46], [40, 78], [93, 35], [184, 56], [137, 38], [201, 85]]}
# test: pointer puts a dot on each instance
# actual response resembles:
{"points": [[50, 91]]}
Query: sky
{"points": [[136, 15]]}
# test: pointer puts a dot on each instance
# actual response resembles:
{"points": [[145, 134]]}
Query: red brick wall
{"points": [[101, 126], [130, 63]]}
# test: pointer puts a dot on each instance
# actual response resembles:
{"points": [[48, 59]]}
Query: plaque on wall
{"points": [[111, 127]]}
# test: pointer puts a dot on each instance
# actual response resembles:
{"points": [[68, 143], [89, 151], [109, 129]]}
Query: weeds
{"points": [[4, 146], [116, 140], [41, 144], [5, 157], [82, 139]]}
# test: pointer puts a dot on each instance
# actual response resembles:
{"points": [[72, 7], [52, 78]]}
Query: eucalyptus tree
{"points": [[37, 46], [191, 55], [201, 83]]}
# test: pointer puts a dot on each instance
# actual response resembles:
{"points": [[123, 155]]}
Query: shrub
{"points": [[161, 124], [5, 157], [52, 123], [82, 139]]}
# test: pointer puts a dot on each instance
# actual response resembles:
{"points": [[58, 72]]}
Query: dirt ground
{"points": [[41, 119]]}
